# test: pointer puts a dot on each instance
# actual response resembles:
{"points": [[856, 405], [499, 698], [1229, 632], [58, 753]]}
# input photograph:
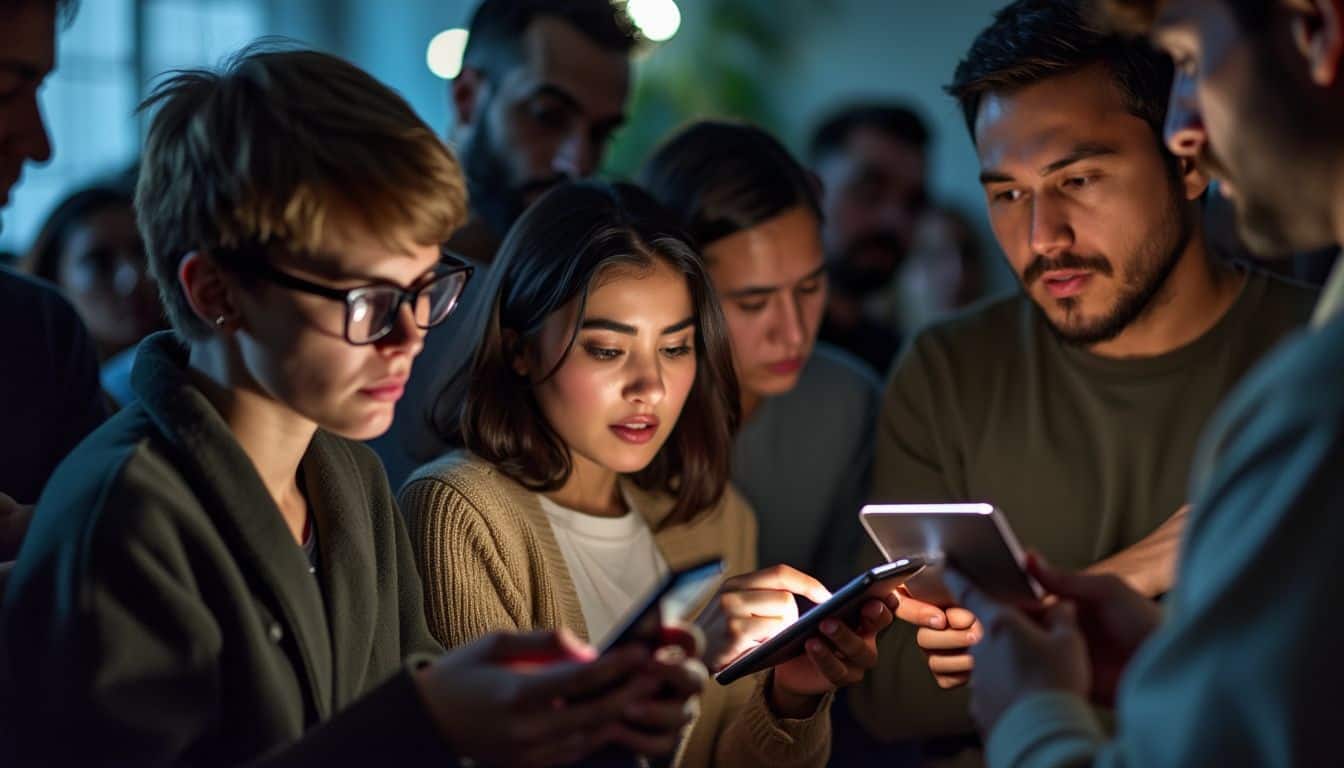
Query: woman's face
{"points": [[102, 270], [619, 390], [771, 280], [293, 345]]}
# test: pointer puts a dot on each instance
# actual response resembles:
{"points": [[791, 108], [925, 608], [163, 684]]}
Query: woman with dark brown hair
{"points": [[598, 415]]}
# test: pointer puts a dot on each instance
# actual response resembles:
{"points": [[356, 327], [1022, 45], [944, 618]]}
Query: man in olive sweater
{"points": [[1243, 669], [1074, 405]]}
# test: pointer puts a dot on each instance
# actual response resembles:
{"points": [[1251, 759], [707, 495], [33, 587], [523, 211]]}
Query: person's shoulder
{"points": [[119, 479], [1283, 297], [26, 290], [36, 300], [1293, 387], [991, 319], [989, 330], [468, 476], [834, 371], [39, 306]]}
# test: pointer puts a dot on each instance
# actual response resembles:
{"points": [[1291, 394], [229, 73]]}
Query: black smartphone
{"points": [[844, 605], [669, 603]]}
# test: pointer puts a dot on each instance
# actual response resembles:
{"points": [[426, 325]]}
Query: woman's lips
{"points": [[785, 367], [637, 430]]}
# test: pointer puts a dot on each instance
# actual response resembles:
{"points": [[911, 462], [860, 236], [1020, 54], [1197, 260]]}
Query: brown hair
{"points": [[569, 239], [270, 149]]}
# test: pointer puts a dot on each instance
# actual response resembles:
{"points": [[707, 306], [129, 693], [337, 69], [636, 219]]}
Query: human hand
{"points": [[750, 609], [1114, 619], [945, 635], [678, 676], [498, 701], [1017, 654]]}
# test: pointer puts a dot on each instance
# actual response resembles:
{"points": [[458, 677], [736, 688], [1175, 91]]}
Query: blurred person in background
{"points": [[871, 160], [543, 88], [89, 247], [943, 272], [49, 395]]}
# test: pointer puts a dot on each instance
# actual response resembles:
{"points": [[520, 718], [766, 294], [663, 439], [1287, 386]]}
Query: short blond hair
{"points": [[264, 152]]}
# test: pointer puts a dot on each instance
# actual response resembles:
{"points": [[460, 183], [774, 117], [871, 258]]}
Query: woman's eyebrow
{"points": [[603, 324]]}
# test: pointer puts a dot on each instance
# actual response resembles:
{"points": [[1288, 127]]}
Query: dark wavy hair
{"points": [[555, 253]]}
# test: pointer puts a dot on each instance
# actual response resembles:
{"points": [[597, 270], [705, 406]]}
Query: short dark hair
{"points": [[44, 258], [900, 123], [724, 177], [1034, 40], [496, 30], [555, 253]]}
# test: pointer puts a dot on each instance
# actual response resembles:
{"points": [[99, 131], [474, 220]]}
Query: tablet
{"points": [[973, 538], [844, 605], [670, 602]]}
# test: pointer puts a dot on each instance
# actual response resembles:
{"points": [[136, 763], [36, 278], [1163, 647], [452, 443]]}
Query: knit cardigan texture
{"points": [[490, 562]]}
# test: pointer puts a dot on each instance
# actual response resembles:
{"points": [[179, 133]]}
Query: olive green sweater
{"points": [[161, 613], [490, 562]]}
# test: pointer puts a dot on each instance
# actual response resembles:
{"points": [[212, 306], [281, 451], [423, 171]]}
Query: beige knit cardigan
{"points": [[490, 562]]}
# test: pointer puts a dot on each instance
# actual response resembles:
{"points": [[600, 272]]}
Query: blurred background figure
{"points": [[871, 162], [89, 247], [943, 271], [541, 92], [49, 397]]}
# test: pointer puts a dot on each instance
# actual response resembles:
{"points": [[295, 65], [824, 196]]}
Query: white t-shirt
{"points": [[613, 561]]}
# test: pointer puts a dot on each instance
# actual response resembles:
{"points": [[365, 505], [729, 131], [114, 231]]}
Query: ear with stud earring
{"points": [[219, 321]]}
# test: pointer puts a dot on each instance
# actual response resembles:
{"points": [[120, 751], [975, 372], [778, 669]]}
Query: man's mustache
{"points": [[1068, 260]]}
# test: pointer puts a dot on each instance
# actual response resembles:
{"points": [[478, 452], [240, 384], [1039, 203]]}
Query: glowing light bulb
{"points": [[658, 20], [444, 55]]}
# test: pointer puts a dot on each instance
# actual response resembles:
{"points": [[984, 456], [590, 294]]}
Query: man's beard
{"points": [[493, 195], [1153, 264], [854, 273]]}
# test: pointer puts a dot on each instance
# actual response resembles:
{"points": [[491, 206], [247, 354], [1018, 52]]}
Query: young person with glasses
{"points": [[219, 574]]}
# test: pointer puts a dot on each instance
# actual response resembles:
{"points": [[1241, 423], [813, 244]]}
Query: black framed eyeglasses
{"points": [[371, 310]]}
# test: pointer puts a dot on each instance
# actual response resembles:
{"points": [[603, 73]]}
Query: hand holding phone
{"points": [[875, 585], [751, 609]]}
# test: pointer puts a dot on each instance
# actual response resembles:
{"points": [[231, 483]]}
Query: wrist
{"points": [[786, 703], [422, 678]]}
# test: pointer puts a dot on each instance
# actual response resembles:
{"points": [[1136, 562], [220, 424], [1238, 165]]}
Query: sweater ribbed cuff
{"points": [[787, 741]]}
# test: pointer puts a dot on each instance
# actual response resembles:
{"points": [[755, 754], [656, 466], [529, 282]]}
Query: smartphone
{"points": [[975, 539], [668, 604], [844, 605]]}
